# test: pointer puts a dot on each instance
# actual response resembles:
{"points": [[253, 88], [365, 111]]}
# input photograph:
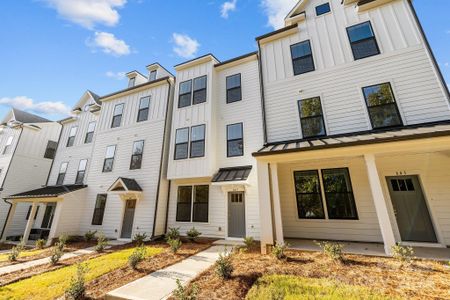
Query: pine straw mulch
{"points": [[423, 279], [96, 289]]}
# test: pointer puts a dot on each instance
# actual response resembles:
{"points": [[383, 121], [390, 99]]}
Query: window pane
{"points": [[143, 115], [144, 103], [136, 162], [310, 107], [63, 168], [198, 149], [138, 147], [323, 9], [181, 151], [309, 200], [131, 82], [339, 194], [50, 151], [199, 96], [184, 204], [185, 100], [365, 48], [234, 95], [235, 148], [99, 210], [198, 133], [360, 32], [313, 127], [311, 117], [301, 49], [201, 197], [182, 135], [108, 164], [152, 75], [80, 177], [91, 127], [234, 131], [73, 131], [233, 81], [118, 109], [384, 116], [200, 83], [303, 65], [110, 150], [116, 121], [82, 165], [378, 94]]}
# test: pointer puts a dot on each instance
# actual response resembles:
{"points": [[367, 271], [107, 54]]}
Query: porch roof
{"points": [[125, 184], [404, 133], [232, 174], [48, 191]]}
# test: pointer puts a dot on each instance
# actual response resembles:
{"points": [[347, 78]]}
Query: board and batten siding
{"points": [[338, 79]]}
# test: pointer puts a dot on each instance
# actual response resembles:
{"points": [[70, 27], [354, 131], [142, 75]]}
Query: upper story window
{"points": [[192, 203], [199, 90], [311, 117], [383, 110], [182, 143], [136, 155], [152, 75], [109, 158], [302, 58], [323, 9], [8, 145], [234, 92], [131, 82], [185, 93], [62, 173], [198, 141], [362, 40], [144, 106], [50, 151], [117, 116], [90, 133], [235, 140], [81, 171], [72, 134]]}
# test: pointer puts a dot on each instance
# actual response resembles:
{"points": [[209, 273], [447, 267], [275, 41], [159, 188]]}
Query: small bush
{"points": [[57, 253], [77, 289], [13, 255], [21, 245], [40, 244], [90, 236], [279, 250], [137, 256], [183, 293], [139, 238], [174, 245], [193, 234], [173, 234], [62, 241], [102, 242], [224, 268], [249, 241], [402, 253], [332, 250]]}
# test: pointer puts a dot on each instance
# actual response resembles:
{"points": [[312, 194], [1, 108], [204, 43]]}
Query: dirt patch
{"points": [[421, 280], [5, 246]]}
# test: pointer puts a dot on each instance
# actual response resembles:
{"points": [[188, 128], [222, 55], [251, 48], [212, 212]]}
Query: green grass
{"points": [[4, 256], [290, 287], [53, 284]]}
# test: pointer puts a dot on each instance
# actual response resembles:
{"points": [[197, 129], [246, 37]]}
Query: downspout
{"points": [[263, 98], [167, 208]]}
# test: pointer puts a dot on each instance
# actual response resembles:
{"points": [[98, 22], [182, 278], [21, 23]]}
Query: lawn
{"points": [[53, 284]]}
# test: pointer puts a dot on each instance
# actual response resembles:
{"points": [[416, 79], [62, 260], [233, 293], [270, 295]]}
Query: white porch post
{"points": [[55, 222], [9, 221], [279, 236], [30, 223], [265, 208], [380, 203]]}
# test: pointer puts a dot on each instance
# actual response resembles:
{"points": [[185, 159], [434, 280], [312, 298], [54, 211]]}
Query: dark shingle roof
{"points": [[232, 174], [25, 117], [129, 184], [49, 191]]}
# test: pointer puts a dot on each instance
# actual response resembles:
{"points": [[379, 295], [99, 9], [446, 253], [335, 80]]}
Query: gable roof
{"points": [[125, 184], [25, 117], [298, 8], [85, 97]]}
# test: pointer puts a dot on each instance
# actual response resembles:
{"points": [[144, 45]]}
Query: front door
{"points": [[236, 215], [410, 208], [128, 217]]}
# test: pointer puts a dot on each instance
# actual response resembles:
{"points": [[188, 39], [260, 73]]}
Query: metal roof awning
{"points": [[125, 185], [48, 191], [234, 175]]}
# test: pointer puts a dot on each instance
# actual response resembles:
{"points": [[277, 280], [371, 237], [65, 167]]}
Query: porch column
{"points": [[9, 221], [380, 203], [55, 222], [30, 223], [265, 208], [279, 236]]}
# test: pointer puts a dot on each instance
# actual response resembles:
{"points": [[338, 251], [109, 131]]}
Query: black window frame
{"points": [[119, 116], [193, 205], [373, 37], [79, 179], [318, 7], [302, 119], [319, 193], [71, 138], [302, 57], [90, 133], [50, 150], [99, 212], [198, 141], [187, 204], [145, 110], [181, 144], [29, 212], [196, 204], [107, 159], [203, 89], [62, 175], [228, 90], [137, 155], [235, 140], [184, 94]]}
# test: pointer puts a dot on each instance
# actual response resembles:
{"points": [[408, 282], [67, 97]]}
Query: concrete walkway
{"points": [[161, 284]]}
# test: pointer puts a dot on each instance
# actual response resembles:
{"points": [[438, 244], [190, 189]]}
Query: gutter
{"points": [[263, 98]]}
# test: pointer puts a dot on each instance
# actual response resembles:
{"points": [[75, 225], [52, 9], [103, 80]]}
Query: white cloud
{"points": [[276, 11], [185, 46], [227, 7], [28, 104], [447, 64], [115, 75], [109, 44], [88, 13]]}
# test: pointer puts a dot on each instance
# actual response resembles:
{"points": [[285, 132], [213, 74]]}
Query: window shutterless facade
{"points": [[108, 163], [136, 155], [152, 75], [8, 145], [81, 171], [309, 197], [362, 40], [199, 95], [117, 115], [302, 58], [381, 105], [90, 133], [72, 134], [50, 151], [192, 204], [323, 9], [197, 141], [99, 210], [235, 140], [234, 90], [144, 107], [62, 173], [185, 94], [181, 143], [311, 117]]}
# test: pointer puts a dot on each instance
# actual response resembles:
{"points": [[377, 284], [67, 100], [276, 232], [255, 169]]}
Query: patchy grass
{"points": [[52, 284], [23, 254], [295, 287]]}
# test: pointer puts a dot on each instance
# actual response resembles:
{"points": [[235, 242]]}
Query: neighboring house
{"points": [[27, 148]]}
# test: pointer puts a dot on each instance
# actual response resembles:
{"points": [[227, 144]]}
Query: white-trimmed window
{"points": [[81, 171], [117, 115], [90, 133], [108, 163], [62, 173], [323, 9], [136, 155], [72, 134], [144, 107], [192, 204]]}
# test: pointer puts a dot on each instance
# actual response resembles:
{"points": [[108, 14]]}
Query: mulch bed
{"points": [[420, 280], [5, 246]]}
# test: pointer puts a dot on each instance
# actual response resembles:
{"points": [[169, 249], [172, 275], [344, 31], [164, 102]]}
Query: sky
{"points": [[52, 51]]}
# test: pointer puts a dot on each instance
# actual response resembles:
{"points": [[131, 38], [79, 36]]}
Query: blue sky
{"points": [[51, 51]]}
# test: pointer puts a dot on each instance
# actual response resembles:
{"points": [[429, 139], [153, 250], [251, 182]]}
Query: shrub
{"points": [[174, 245], [90, 235], [173, 234], [62, 241], [402, 253], [249, 241], [183, 293], [102, 242], [224, 268], [13, 255], [278, 250], [332, 250], [21, 245], [57, 253], [137, 256], [40, 244], [77, 289], [193, 233], [139, 238]]}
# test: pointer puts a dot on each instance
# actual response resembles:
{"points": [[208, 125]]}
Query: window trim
{"points": [[310, 55], [140, 155], [176, 144], [374, 37], [90, 132], [228, 140], [81, 171], [202, 89], [320, 5], [119, 115], [191, 217], [322, 116], [132, 82], [325, 213], [190, 93], [143, 109], [72, 137], [150, 74], [63, 174], [191, 141], [227, 89], [113, 159], [95, 210], [51, 149]]}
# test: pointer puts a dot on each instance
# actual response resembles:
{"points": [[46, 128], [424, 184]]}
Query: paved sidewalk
{"points": [[160, 284]]}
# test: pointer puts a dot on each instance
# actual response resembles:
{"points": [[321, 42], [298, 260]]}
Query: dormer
{"points": [[135, 78], [297, 14], [88, 102], [156, 71]]}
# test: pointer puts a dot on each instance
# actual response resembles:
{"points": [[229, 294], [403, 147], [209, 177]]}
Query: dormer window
{"points": [[323, 9], [72, 134], [152, 75], [131, 82]]}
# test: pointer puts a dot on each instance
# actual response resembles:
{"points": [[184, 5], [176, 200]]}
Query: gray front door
{"points": [[128, 217], [236, 215], [410, 208]]}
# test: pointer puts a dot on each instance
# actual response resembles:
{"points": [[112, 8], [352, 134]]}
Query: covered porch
{"points": [[380, 188]]}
